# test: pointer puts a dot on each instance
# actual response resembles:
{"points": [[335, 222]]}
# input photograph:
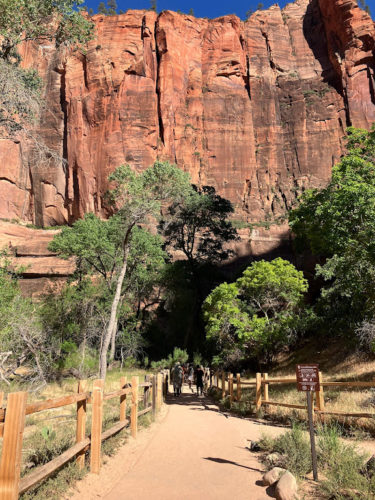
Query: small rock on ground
{"points": [[274, 458]]}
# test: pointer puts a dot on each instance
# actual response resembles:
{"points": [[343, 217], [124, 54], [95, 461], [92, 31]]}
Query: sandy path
{"points": [[194, 451]]}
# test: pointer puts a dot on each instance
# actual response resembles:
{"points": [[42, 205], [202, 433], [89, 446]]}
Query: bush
{"points": [[341, 464]]}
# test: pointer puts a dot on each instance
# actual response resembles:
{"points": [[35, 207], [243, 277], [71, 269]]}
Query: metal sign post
{"points": [[308, 381]]}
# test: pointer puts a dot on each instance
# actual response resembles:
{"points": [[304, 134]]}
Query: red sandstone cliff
{"points": [[257, 108]]}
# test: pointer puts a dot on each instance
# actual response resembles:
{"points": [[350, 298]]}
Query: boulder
{"points": [[286, 488], [272, 476]]}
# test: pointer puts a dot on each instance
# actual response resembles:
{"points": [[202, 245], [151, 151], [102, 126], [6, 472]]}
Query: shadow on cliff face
{"points": [[315, 35]]}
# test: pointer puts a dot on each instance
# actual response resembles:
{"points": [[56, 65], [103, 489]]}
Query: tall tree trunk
{"points": [[113, 318], [113, 342]]}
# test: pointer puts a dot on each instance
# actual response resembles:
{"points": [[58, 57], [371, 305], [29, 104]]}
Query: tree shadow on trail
{"points": [[224, 461], [197, 403], [270, 491]]}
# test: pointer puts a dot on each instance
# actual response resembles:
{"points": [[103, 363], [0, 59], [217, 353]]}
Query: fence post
{"points": [[123, 384], [265, 379], [96, 425], [145, 392], [230, 387], [154, 389], [81, 423], [159, 398], [134, 411], [238, 387], [320, 397], [258, 391], [10, 464], [223, 385], [1, 404]]}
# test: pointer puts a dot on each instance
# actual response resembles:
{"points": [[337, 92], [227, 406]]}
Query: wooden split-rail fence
{"points": [[225, 382], [12, 425]]}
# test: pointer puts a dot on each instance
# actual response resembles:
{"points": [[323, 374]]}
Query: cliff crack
{"points": [[158, 90]]}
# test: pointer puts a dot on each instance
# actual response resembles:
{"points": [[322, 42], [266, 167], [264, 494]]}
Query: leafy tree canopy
{"points": [[59, 20], [258, 314], [199, 226], [338, 223]]}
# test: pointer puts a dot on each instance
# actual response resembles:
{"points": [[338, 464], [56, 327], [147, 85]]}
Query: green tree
{"points": [[200, 228], [102, 9], [258, 314], [191, 12], [112, 7], [23, 20], [337, 223], [22, 339], [136, 199], [153, 5], [91, 11]]}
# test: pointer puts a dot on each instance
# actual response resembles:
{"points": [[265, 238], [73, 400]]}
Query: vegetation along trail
{"points": [[196, 452]]}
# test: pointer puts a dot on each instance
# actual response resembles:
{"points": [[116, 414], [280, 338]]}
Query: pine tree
{"points": [[102, 9], [153, 5], [91, 12], [112, 7]]}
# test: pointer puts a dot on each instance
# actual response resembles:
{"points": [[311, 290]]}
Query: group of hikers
{"points": [[182, 373]]}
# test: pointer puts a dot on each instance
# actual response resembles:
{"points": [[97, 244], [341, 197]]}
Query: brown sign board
{"points": [[308, 378]]}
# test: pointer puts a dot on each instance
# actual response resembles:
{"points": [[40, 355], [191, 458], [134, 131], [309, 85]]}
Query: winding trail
{"points": [[196, 452]]}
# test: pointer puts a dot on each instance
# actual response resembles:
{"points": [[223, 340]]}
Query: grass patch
{"points": [[341, 464], [51, 432]]}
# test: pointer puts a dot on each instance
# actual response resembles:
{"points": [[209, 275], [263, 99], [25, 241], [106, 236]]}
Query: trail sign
{"points": [[308, 381], [308, 378]]}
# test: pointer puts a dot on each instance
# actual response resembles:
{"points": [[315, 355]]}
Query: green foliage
{"points": [[22, 20], [102, 9], [20, 96], [338, 223], [22, 338], [199, 227], [341, 464], [153, 5], [127, 257], [179, 355], [259, 313], [295, 448], [343, 467]]}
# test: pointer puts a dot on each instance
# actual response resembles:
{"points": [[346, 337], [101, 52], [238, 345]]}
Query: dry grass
{"points": [[49, 433], [336, 365]]}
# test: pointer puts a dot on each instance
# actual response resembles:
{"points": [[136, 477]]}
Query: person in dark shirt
{"points": [[199, 377]]}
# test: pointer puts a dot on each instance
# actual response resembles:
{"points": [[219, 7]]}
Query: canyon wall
{"points": [[257, 109]]}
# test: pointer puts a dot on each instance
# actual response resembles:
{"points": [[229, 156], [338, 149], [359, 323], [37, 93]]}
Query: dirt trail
{"points": [[196, 451]]}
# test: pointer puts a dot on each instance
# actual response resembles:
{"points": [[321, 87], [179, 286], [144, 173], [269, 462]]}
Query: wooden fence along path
{"points": [[224, 382], [12, 424]]}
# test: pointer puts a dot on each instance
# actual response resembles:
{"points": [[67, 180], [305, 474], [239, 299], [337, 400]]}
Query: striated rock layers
{"points": [[257, 108]]}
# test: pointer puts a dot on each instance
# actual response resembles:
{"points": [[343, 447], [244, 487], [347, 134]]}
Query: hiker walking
{"points": [[177, 376], [200, 376], [191, 376]]}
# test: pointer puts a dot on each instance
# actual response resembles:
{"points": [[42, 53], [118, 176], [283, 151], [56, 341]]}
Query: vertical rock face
{"points": [[257, 108]]}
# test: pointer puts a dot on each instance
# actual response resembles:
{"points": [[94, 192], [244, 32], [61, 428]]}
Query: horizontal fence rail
{"points": [[14, 412], [224, 383]]}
